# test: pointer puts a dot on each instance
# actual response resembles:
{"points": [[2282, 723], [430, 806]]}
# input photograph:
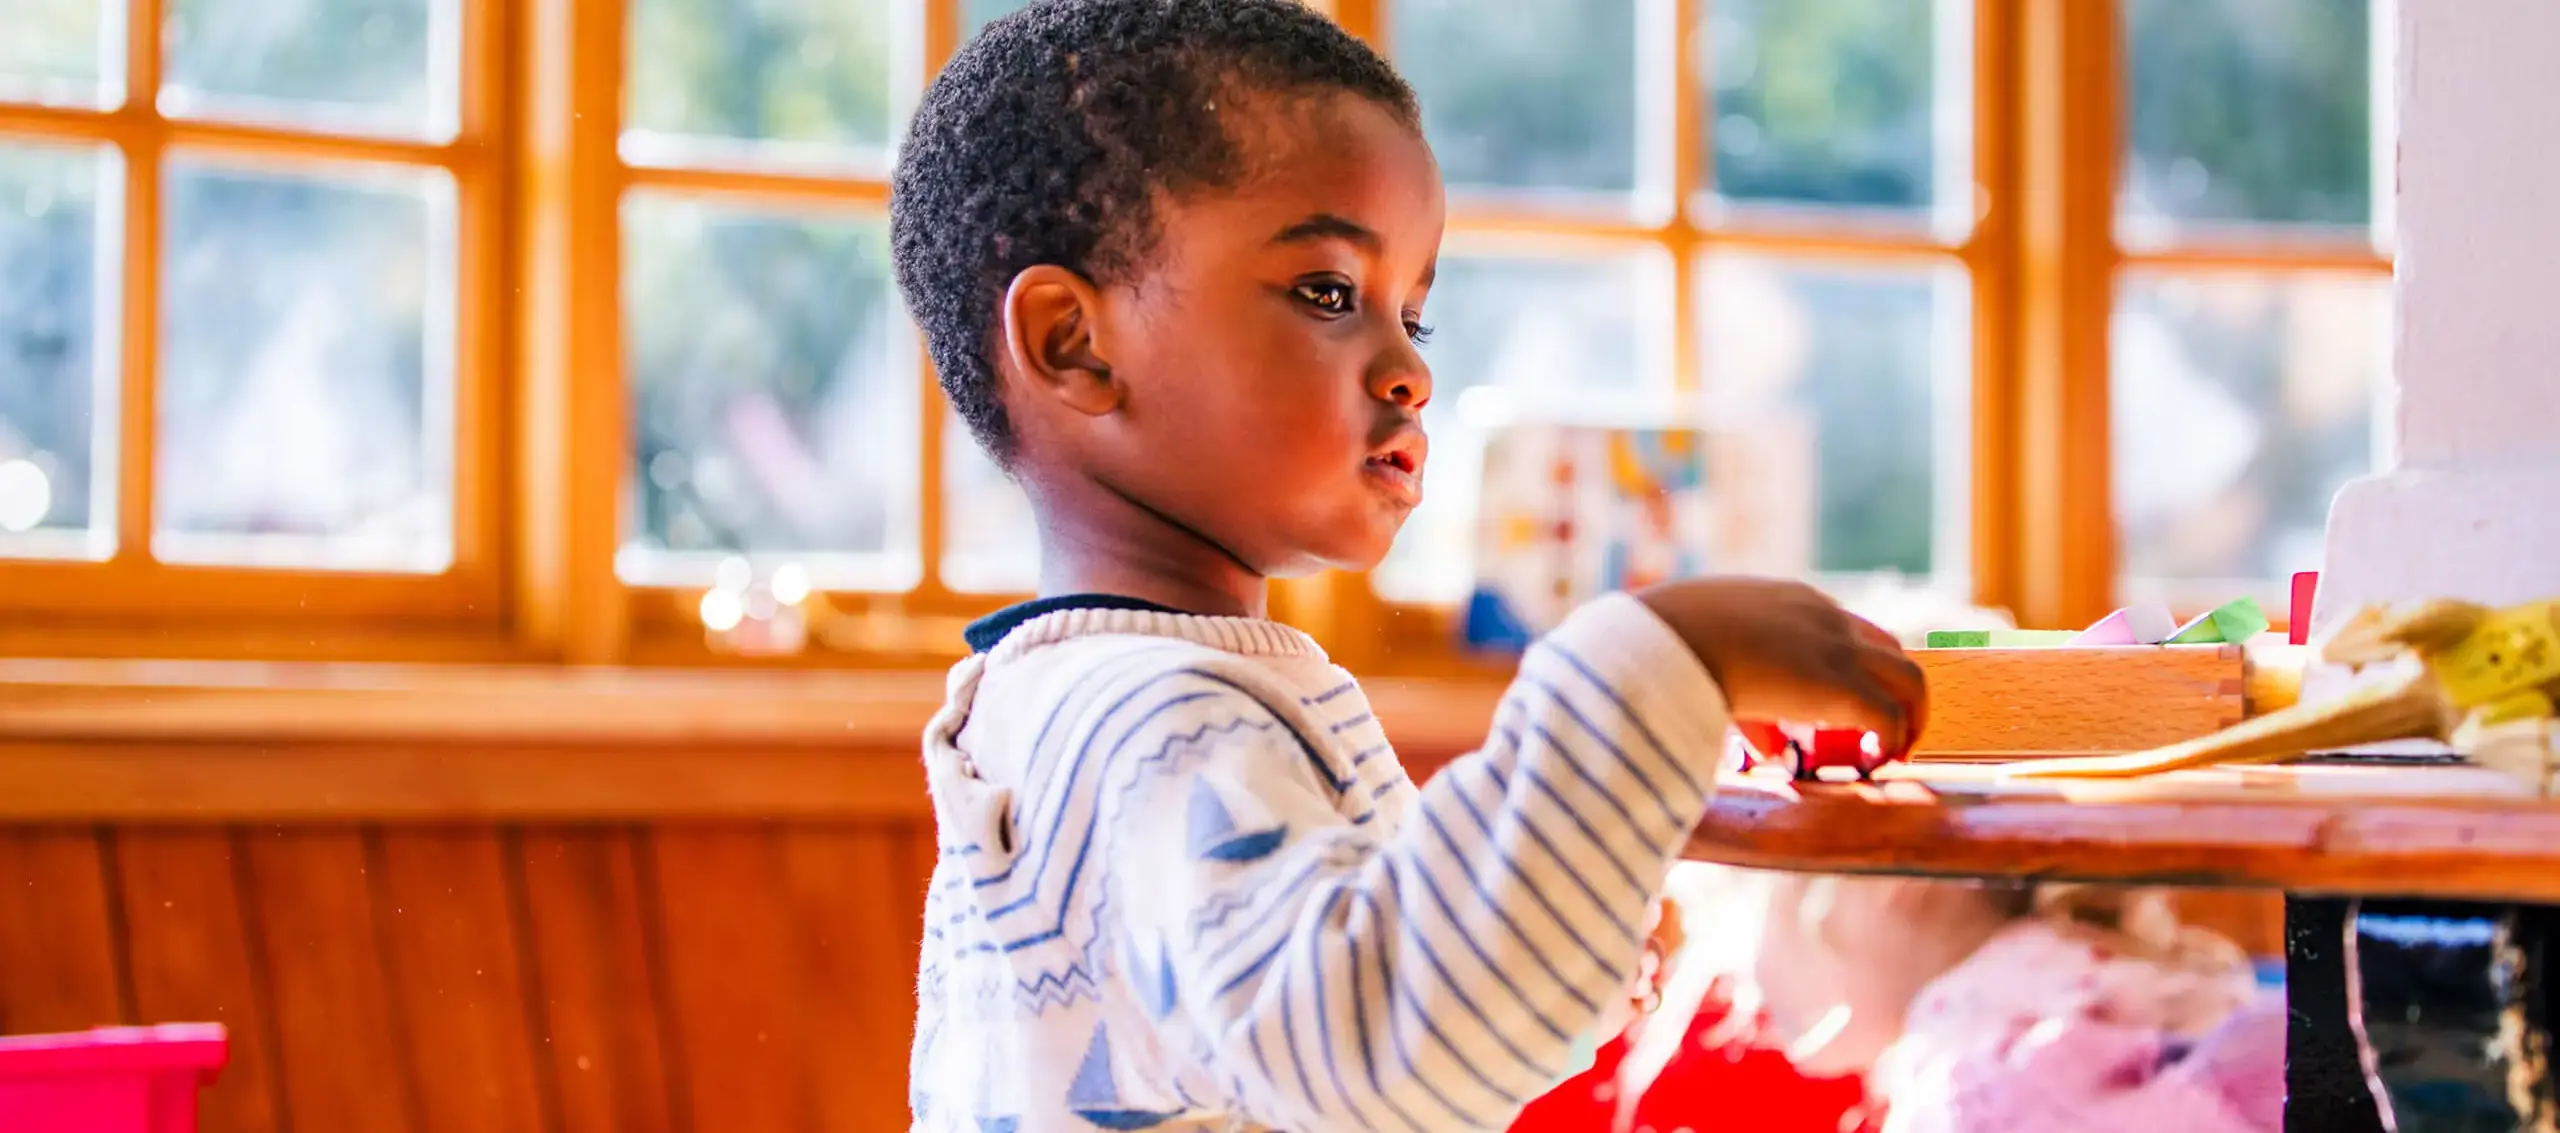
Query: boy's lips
{"points": [[1396, 465]]}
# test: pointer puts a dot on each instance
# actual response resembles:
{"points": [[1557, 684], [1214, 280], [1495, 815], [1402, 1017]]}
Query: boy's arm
{"points": [[1439, 978]]}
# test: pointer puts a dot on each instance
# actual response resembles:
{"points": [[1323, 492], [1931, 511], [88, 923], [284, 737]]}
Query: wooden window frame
{"points": [[577, 605], [541, 430], [1373, 633], [133, 603], [2042, 261], [2063, 139]]}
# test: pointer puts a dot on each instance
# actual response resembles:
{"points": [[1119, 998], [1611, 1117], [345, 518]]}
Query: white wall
{"points": [[2473, 509]]}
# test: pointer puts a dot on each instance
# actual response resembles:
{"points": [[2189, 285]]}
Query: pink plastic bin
{"points": [[110, 1080]]}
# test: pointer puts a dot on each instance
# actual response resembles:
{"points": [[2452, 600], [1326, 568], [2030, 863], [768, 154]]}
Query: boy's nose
{"points": [[1401, 379]]}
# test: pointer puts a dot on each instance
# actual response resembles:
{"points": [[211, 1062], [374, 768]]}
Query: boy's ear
{"points": [[1049, 316]]}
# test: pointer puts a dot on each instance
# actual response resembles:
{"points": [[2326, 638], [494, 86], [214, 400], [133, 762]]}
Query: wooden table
{"points": [[2420, 899]]}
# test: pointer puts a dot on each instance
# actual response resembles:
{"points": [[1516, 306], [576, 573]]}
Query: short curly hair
{"points": [[1046, 139]]}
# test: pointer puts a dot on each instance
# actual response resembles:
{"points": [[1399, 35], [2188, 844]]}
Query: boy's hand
{"points": [[1785, 651]]}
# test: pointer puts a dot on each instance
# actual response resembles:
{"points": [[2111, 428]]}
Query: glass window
{"points": [[1838, 104], [1537, 95], [2247, 112], [57, 350], [63, 52], [1553, 329], [379, 66], [779, 81], [773, 393], [990, 544], [2241, 404], [979, 13], [1839, 397], [306, 367]]}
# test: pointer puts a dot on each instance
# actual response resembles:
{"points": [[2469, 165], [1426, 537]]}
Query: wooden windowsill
{"points": [[305, 702], [222, 741], [96, 739], [297, 702]]}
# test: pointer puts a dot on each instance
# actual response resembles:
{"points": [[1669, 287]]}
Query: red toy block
{"points": [[1767, 741], [1813, 748]]}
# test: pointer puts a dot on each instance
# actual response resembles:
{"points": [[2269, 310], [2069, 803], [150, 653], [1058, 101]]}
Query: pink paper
{"points": [[2146, 623]]}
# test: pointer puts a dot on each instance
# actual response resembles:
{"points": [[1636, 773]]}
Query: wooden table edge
{"points": [[2402, 831]]}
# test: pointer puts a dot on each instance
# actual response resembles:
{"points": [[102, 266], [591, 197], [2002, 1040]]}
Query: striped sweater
{"points": [[1185, 885]]}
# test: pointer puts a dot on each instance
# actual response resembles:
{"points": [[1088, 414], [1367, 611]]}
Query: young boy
{"points": [[1170, 259]]}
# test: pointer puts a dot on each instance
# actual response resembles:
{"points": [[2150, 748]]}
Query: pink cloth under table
{"points": [[110, 1080]]}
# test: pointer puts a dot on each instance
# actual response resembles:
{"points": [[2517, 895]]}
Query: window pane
{"points": [[2247, 112], [1845, 390], [306, 354], [1527, 94], [1575, 332], [1834, 103], [2241, 405], [989, 542], [383, 66], [979, 13], [773, 393], [63, 52], [781, 80], [57, 351]]}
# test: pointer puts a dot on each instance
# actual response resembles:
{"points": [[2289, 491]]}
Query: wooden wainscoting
{"points": [[619, 979], [458, 899]]}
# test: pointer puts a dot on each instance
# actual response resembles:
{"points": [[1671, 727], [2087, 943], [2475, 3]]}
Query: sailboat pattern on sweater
{"points": [[1185, 884]]}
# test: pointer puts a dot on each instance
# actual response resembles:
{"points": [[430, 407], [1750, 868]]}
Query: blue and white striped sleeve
{"points": [[1328, 975]]}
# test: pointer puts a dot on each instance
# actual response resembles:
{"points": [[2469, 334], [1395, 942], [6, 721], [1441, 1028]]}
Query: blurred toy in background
{"points": [[1698, 1056], [1570, 512], [1720, 1077], [1975, 1008], [1652, 473], [1916, 1005], [1569, 509]]}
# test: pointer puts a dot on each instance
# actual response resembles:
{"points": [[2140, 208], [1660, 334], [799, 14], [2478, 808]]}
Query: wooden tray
{"points": [[2014, 703]]}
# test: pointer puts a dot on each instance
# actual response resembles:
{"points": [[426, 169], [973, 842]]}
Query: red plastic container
{"points": [[110, 1080]]}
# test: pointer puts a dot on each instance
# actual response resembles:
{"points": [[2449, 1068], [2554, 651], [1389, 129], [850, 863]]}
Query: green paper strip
{"points": [[2241, 620], [1998, 638], [2031, 638], [2234, 621]]}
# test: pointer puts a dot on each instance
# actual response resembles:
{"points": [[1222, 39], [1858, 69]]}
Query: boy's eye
{"points": [[1330, 298], [1419, 333]]}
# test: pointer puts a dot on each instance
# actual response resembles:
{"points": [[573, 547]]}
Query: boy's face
{"points": [[1270, 387]]}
